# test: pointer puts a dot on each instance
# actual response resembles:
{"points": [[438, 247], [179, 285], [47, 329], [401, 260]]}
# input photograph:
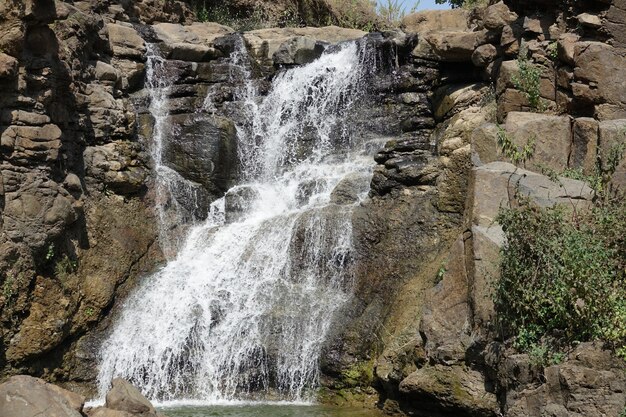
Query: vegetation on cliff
{"points": [[563, 272]]}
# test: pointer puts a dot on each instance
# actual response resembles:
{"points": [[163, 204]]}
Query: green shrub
{"points": [[393, 11], [563, 279], [528, 80], [511, 151], [464, 3]]}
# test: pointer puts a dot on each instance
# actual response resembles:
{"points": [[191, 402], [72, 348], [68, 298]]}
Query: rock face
{"points": [[77, 185]]}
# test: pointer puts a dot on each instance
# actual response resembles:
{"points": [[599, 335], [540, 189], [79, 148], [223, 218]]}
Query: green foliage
{"points": [[563, 280], [514, 153], [64, 268], [467, 4], [553, 51], [440, 273], [528, 80], [50, 252], [8, 287], [392, 11]]}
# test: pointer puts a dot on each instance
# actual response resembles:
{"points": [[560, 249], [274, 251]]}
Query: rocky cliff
{"points": [[77, 183]]}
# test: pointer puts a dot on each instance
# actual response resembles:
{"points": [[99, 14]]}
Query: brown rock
{"points": [[612, 134], [263, 43], [590, 383], [453, 46], [484, 54], [446, 310], [436, 20], [589, 20], [599, 70], [497, 16], [484, 142], [449, 389], [24, 396], [126, 42], [584, 144], [8, 66], [566, 45], [551, 134], [124, 397]]}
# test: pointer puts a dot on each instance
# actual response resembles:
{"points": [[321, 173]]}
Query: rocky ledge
{"points": [[25, 396]]}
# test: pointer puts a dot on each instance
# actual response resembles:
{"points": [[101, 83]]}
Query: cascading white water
{"points": [[244, 308], [170, 186]]}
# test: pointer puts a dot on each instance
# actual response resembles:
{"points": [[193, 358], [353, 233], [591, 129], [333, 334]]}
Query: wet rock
{"points": [[348, 190], [25, 396], [238, 201], [203, 149], [263, 43], [446, 312], [299, 50]]}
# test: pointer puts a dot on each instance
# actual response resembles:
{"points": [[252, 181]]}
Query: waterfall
{"points": [[244, 308], [170, 186]]}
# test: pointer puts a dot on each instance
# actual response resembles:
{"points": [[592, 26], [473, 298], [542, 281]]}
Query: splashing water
{"points": [[243, 310]]}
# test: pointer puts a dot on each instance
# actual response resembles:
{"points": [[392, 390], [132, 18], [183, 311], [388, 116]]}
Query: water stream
{"points": [[243, 309]]}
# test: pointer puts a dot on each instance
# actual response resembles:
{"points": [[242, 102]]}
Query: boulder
{"points": [[589, 20], [497, 16], [348, 190], [238, 201], [551, 136], [598, 74], [8, 66], [452, 390], [436, 20], [299, 50], [264, 43], [451, 46], [565, 47], [203, 149], [125, 397], [126, 42], [450, 99], [25, 396], [484, 54], [197, 33]]}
